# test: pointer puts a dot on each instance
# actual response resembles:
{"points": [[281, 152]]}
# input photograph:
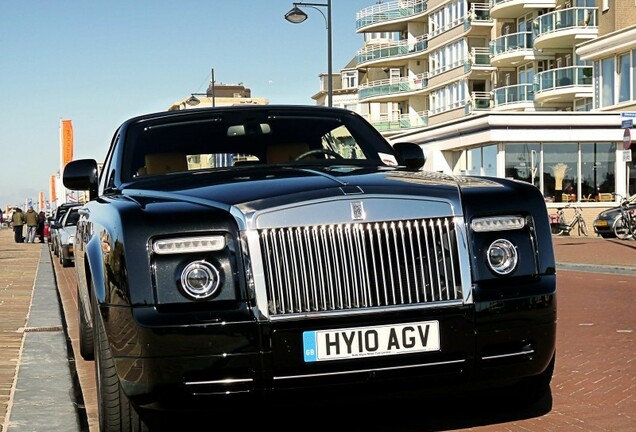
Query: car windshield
{"points": [[222, 140]]}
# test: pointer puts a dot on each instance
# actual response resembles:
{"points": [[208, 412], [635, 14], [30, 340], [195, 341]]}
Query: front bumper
{"points": [[183, 367]]}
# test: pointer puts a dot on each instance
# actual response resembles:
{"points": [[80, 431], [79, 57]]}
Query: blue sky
{"points": [[99, 63]]}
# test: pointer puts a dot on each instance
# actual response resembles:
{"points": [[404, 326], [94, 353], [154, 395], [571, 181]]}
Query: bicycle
{"points": [[559, 225], [625, 225]]}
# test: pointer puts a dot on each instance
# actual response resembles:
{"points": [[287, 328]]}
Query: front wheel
{"points": [[116, 413], [583, 227], [621, 230]]}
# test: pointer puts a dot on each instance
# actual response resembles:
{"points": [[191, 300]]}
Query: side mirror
{"points": [[81, 175], [411, 154]]}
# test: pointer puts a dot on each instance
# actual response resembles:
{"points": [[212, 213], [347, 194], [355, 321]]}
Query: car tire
{"points": [[86, 340], [116, 413]]}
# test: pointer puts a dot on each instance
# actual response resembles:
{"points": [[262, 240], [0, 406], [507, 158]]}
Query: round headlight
{"points": [[200, 280], [502, 256]]}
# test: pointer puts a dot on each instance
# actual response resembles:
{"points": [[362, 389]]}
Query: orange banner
{"points": [[41, 202], [52, 192], [67, 142]]}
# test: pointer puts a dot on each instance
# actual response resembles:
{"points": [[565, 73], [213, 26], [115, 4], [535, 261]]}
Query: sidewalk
{"points": [[38, 383], [37, 391]]}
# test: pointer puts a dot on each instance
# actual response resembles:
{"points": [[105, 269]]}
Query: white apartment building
{"points": [[528, 89]]}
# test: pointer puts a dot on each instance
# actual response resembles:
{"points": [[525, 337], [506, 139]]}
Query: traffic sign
{"points": [[627, 123], [627, 139]]}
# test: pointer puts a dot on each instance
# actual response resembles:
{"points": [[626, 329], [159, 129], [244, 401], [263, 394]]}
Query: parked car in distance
{"points": [[291, 253], [65, 236], [55, 220], [606, 220]]}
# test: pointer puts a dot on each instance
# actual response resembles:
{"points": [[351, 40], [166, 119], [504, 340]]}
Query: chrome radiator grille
{"points": [[360, 265]]}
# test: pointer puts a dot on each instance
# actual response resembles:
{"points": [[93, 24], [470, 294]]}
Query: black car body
{"points": [[245, 266], [605, 222]]}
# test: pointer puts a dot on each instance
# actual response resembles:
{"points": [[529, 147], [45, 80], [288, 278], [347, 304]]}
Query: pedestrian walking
{"points": [[17, 220], [31, 220], [40, 230]]}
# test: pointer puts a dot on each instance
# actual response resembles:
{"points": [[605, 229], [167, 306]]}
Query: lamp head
{"points": [[193, 101], [296, 15]]}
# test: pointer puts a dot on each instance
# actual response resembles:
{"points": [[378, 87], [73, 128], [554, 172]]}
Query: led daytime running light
{"points": [[188, 245], [498, 223]]}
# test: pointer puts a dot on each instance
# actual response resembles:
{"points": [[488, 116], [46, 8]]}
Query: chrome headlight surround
{"points": [[502, 256], [200, 280]]}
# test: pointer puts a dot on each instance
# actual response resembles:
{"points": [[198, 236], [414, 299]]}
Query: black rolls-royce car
{"points": [[272, 251]]}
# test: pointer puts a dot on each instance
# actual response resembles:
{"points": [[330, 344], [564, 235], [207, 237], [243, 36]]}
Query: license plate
{"points": [[601, 223], [356, 342]]}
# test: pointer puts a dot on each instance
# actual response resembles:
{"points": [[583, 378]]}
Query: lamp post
{"points": [[193, 100], [297, 15]]}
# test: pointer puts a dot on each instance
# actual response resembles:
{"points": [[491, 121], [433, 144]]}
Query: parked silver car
{"points": [[55, 222], [65, 237]]}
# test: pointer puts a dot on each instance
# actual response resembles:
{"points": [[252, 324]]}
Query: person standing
{"points": [[40, 230], [31, 220], [17, 220]]}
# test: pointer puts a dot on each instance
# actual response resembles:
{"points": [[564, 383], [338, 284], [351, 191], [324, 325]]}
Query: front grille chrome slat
{"points": [[356, 266]]}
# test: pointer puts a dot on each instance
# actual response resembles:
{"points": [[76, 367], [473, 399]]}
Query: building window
{"points": [[597, 169], [522, 162], [607, 79], [349, 79], [623, 78], [482, 161], [633, 75], [571, 171]]}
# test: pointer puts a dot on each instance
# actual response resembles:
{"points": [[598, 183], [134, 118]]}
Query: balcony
{"points": [[565, 27], [563, 85], [478, 63], [513, 97], [480, 101], [385, 16], [400, 122], [478, 21], [501, 9], [391, 88], [512, 49], [391, 53]]}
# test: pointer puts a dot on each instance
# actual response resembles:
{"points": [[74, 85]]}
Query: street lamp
{"points": [[193, 100], [297, 15]]}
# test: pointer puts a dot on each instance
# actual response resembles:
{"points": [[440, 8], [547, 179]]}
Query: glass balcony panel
{"points": [[384, 12]]}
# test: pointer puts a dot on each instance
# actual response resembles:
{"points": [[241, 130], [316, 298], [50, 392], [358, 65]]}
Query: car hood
{"points": [[254, 190]]}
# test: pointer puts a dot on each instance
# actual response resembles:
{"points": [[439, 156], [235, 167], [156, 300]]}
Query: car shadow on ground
{"points": [[412, 414]]}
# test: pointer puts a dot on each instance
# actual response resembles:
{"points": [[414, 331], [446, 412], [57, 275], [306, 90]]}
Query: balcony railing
{"points": [[511, 42], [480, 101], [517, 93], [383, 12], [381, 51], [392, 86], [479, 13], [565, 19], [571, 76], [479, 58], [403, 121]]}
